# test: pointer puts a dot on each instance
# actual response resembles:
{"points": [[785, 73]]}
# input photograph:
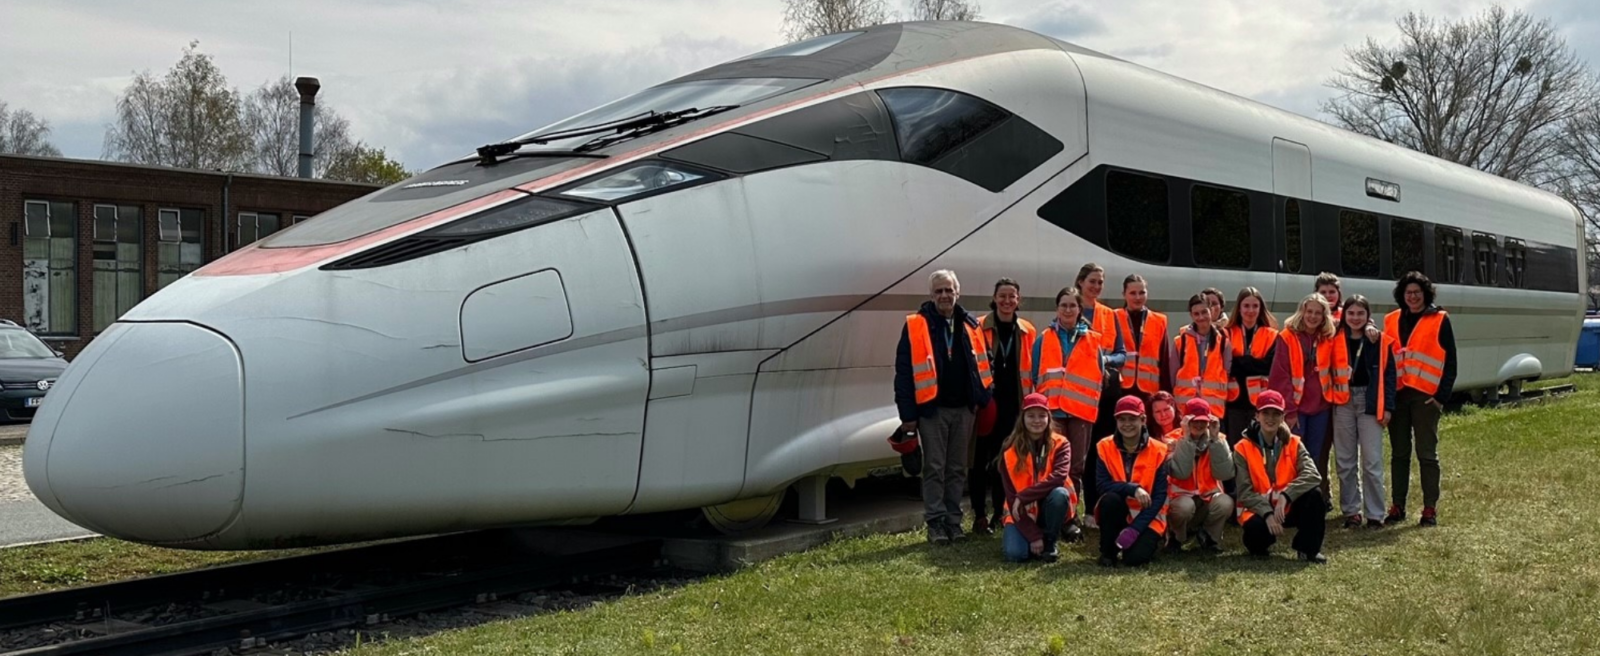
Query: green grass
{"points": [[1512, 570], [56, 565]]}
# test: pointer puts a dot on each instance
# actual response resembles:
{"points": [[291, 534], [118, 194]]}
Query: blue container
{"points": [[1589, 344]]}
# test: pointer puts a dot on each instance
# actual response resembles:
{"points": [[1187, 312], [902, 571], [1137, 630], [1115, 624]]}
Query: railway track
{"points": [[247, 606]]}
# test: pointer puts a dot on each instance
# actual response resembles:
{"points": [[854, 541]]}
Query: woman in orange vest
{"points": [[1200, 462], [1252, 336], [1145, 334], [1327, 285], [1424, 353], [1164, 416], [1010, 339], [1067, 368], [1358, 425], [1201, 359], [1278, 484], [1091, 281], [1132, 473], [1039, 499], [1311, 372], [1216, 303]]}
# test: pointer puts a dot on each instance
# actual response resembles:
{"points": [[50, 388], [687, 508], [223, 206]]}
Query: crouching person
{"points": [[1278, 485], [1132, 480], [1034, 465], [1200, 463]]}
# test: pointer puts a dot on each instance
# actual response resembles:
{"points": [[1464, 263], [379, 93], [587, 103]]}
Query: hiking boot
{"points": [[937, 535], [955, 532], [1353, 521], [1430, 517], [1396, 515], [1313, 558], [1208, 544], [980, 526], [1174, 546]]}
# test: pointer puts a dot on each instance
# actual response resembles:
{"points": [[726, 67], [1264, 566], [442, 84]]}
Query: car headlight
{"points": [[645, 178]]}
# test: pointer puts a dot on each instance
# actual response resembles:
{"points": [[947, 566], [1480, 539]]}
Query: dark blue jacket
{"points": [[1108, 485], [1369, 362], [905, 390]]}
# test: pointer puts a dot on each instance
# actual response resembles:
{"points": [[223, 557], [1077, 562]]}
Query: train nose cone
{"points": [[143, 436]]}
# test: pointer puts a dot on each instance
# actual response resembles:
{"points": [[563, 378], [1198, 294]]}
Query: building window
{"points": [[50, 267], [1447, 245], [252, 226], [180, 250], [117, 259], [1405, 246], [1221, 221], [1136, 216], [1516, 263], [1358, 244], [1291, 236], [1486, 257], [966, 136]]}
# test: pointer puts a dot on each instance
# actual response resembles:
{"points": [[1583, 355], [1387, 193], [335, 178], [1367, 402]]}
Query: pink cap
{"points": [[1035, 400], [1197, 410], [1269, 400], [1129, 405]]}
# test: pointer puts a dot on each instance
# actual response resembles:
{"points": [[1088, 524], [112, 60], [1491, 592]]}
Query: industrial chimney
{"points": [[307, 86]]}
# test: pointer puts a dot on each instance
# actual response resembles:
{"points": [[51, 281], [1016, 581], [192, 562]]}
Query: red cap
{"points": [[1269, 399], [1129, 405], [1197, 410], [903, 443], [1035, 400]]}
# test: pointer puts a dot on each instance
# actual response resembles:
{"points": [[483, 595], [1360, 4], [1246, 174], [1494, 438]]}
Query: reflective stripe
{"points": [[926, 383], [1425, 359], [1080, 380], [923, 368], [1213, 386], [1078, 396], [1429, 376]]}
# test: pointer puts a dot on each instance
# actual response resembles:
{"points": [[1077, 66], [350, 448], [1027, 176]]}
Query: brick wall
{"points": [[88, 182]]}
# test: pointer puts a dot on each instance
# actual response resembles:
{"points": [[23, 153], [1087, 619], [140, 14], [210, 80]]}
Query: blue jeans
{"points": [[1052, 516]]}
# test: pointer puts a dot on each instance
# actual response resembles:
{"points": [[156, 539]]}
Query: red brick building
{"points": [[87, 240]]}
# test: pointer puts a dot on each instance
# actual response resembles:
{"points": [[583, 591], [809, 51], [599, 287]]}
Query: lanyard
{"points": [[1005, 346], [950, 341]]}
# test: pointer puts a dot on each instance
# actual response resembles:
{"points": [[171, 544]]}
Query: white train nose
{"points": [[143, 436]]}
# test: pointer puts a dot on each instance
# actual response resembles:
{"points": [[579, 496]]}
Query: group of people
{"points": [[1165, 434]]}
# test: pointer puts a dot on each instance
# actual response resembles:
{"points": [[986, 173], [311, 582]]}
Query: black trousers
{"points": [[1234, 421], [1305, 516], [1112, 514], [983, 480]]}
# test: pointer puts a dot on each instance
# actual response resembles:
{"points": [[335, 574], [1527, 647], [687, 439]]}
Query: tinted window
{"points": [[1405, 246], [1447, 246], [1221, 221], [1136, 216], [1291, 236], [1516, 263], [1485, 257], [966, 136], [1358, 244]]}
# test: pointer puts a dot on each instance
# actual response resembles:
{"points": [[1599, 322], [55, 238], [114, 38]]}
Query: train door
{"points": [[1291, 188]]}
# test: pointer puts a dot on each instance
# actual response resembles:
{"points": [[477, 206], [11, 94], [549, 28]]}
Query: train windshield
{"points": [[669, 98]]}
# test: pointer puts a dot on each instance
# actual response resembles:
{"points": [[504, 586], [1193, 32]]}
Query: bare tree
{"points": [[188, 118], [952, 10], [271, 117], [804, 19], [1492, 92], [22, 133]]}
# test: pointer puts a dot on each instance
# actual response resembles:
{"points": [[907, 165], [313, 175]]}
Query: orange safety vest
{"points": [[1072, 387], [1173, 435], [1213, 381], [1143, 366], [1423, 365], [1260, 347], [1333, 368], [1024, 477], [1145, 467], [1387, 342], [1288, 466], [923, 374], [1105, 323], [1025, 337], [1202, 483]]}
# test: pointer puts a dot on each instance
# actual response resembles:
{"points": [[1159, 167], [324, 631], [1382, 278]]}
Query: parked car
{"points": [[28, 369]]}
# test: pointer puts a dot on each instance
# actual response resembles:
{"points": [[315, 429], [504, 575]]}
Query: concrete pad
{"points": [[856, 517]]}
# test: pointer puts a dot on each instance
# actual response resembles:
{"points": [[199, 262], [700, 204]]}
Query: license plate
{"points": [[34, 401]]}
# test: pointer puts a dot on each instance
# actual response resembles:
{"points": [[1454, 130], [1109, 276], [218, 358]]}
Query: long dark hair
{"points": [[1002, 283]]}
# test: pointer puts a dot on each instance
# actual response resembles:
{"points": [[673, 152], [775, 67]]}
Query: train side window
{"points": [[1221, 220], [1291, 236], [1405, 246], [1516, 263], [1448, 243], [1486, 255], [966, 136], [1358, 244], [1137, 221]]}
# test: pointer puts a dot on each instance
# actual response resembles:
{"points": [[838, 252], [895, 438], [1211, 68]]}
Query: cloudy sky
{"points": [[431, 80]]}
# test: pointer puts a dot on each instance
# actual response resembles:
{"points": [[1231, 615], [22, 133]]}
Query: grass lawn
{"points": [[1509, 571], [56, 565]]}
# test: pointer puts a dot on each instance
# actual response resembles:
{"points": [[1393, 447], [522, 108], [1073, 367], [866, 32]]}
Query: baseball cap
{"points": [[1197, 410], [1129, 405], [1035, 400], [1269, 400]]}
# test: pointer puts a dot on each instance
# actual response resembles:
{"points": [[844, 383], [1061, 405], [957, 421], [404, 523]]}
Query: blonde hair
{"points": [[1296, 322], [1019, 440]]}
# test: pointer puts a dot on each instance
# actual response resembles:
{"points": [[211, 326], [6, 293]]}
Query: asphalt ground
{"points": [[23, 520]]}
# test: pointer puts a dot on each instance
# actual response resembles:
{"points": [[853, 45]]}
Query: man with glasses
{"points": [[941, 378]]}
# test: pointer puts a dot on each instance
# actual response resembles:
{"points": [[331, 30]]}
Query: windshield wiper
{"points": [[631, 126]]}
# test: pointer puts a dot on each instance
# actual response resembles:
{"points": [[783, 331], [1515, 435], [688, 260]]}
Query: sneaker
{"points": [[955, 532], [1208, 544], [1071, 534], [1374, 524], [1089, 523], [1313, 558], [1050, 555], [980, 526], [1430, 517], [1396, 515], [1353, 521], [937, 535], [1174, 546]]}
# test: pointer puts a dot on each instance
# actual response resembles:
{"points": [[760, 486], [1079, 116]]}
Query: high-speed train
{"points": [[690, 298]]}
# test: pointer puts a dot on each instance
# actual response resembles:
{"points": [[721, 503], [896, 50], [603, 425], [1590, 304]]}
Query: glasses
{"points": [[945, 290]]}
